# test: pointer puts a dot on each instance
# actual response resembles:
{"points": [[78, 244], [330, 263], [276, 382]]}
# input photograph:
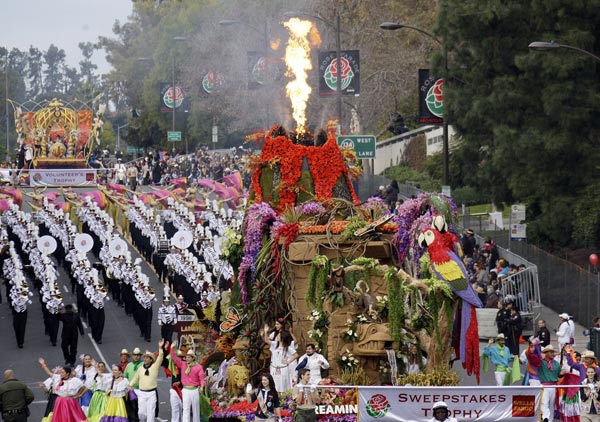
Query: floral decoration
{"points": [[258, 218], [320, 326], [351, 333], [326, 163], [348, 362]]}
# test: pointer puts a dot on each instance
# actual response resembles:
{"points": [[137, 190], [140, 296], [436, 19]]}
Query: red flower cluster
{"points": [[326, 165], [289, 232]]}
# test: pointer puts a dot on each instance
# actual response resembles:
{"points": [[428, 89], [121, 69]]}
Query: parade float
{"points": [[363, 285], [55, 139]]}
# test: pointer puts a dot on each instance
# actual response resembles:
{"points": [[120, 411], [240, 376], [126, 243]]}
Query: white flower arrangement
{"points": [[348, 362], [351, 333]]}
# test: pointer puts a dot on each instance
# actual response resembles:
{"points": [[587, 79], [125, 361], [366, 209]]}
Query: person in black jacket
{"points": [[71, 324], [543, 334]]}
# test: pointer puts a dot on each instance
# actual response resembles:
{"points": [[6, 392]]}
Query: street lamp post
{"points": [[392, 26], [177, 38], [338, 55], [547, 46]]}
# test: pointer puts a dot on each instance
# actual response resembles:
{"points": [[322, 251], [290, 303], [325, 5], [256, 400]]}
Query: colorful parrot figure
{"points": [[449, 239], [447, 266]]}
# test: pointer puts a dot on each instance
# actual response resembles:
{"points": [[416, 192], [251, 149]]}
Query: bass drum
{"points": [[162, 248]]}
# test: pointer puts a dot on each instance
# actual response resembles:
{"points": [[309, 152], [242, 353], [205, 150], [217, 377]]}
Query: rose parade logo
{"points": [[211, 81], [331, 74], [378, 406], [435, 98], [169, 99]]}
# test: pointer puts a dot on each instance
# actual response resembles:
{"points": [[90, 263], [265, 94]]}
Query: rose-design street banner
{"points": [[431, 98], [211, 82], [263, 70], [516, 404], [328, 73], [170, 98]]}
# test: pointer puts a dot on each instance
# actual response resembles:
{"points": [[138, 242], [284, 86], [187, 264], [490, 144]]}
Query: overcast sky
{"points": [[64, 23]]}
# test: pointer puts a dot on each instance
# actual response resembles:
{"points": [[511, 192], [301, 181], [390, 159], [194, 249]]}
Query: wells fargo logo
{"points": [[523, 406]]}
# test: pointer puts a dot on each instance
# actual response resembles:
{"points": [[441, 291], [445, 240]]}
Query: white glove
{"points": [[248, 388]]}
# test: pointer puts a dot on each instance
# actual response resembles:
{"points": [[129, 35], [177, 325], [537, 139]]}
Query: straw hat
{"points": [[136, 351], [191, 353], [125, 352], [589, 354], [500, 337], [149, 354], [548, 348]]}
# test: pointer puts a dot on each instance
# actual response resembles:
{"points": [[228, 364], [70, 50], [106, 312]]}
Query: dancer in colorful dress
{"points": [[49, 386], [87, 373], [68, 390], [115, 410], [102, 382]]}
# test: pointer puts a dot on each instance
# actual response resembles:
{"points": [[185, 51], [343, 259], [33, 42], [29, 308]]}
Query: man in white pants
{"points": [[147, 376], [500, 357], [175, 394], [549, 371], [192, 380]]}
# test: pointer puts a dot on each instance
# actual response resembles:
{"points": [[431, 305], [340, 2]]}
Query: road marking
{"points": [[84, 325], [97, 348], [66, 290]]}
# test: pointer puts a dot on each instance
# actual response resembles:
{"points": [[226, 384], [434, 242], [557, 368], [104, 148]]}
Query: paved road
{"points": [[120, 332]]}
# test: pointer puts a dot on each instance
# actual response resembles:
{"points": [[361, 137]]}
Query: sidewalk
{"points": [[552, 322]]}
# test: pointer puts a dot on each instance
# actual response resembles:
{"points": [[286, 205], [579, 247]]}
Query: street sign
{"points": [[135, 149], [363, 145], [517, 213], [173, 136], [215, 134]]}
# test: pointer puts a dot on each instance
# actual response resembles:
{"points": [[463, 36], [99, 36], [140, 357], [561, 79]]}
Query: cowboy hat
{"points": [[149, 354], [589, 354], [548, 348], [500, 337], [136, 351], [125, 352]]}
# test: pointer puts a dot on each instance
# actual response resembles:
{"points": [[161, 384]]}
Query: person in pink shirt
{"points": [[192, 379]]}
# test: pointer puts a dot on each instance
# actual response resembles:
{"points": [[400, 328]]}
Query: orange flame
{"points": [[297, 59], [275, 44]]}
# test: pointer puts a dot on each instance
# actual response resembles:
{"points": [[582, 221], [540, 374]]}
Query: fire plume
{"points": [[297, 59]]}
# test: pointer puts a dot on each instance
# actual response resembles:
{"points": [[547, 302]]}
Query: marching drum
{"points": [[162, 247]]}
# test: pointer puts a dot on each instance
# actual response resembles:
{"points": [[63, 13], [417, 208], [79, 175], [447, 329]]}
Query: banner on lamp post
{"points": [[350, 73], [170, 98], [211, 82], [431, 98], [262, 70]]}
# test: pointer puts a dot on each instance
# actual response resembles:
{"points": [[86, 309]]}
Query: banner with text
{"points": [[328, 73], [431, 98], [516, 404], [65, 177]]}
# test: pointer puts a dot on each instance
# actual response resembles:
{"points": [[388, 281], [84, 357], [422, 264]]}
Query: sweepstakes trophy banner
{"points": [[516, 404]]}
